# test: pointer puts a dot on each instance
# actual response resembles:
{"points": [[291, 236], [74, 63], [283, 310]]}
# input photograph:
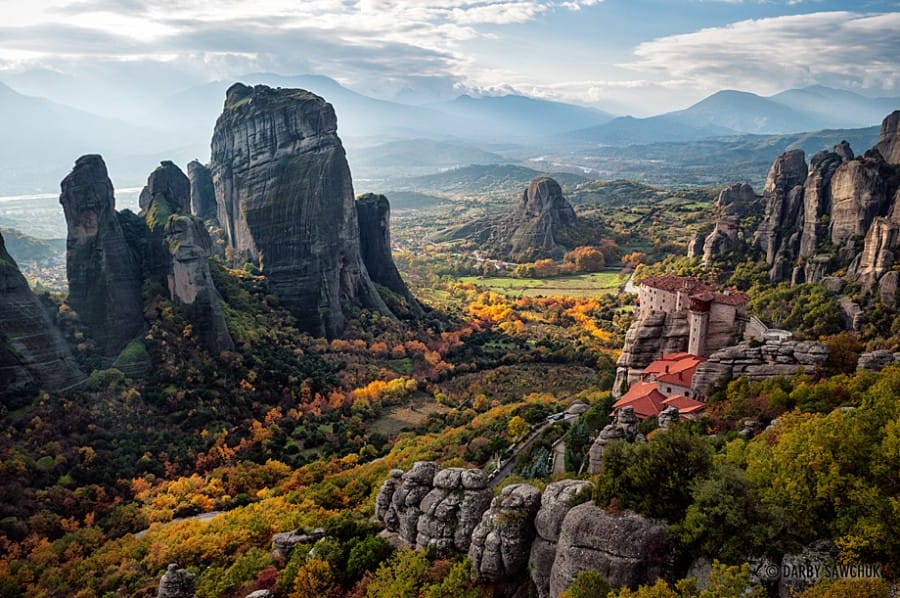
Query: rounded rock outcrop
{"points": [[452, 510]]}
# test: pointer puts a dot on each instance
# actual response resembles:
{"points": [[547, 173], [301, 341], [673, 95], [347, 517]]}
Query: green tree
{"points": [[587, 584], [517, 428]]}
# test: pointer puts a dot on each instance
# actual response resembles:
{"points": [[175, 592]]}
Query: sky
{"points": [[627, 56]]}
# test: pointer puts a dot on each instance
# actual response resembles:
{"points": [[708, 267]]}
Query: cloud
{"points": [[843, 49]]}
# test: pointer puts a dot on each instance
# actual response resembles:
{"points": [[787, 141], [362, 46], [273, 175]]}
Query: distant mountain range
{"points": [[384, 139]]}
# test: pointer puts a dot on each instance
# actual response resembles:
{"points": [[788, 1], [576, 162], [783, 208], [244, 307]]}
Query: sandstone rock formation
{"points": [[33, 354], [185, 267], [889, 143], [104, 276], [817, 199], [283, 543], [501, 542], [668, 417], [452, 509], [556, 501], [374, 215], [773, 358], [858, 195], [203, 194], [532, 230], [626, 548], [384, 501], [285, 200], [190, 281], [177, 583], [876, 361], [783, 196], [624, 426], [648, 337], [407, 500], [733, 203], [169, 183]]}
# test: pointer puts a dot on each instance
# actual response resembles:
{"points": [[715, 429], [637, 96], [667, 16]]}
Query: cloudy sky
{"points": [[628, 56]]}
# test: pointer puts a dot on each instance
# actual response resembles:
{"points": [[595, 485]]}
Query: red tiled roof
{"points": [[695, 287], [685, 405], [644, 397], [675, 368]]}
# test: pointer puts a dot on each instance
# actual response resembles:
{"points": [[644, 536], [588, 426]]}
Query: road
{"points": [[507, 466]]}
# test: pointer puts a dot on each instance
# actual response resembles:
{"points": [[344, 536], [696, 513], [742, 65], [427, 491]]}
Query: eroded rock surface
{"points": [[167, 183], [33, 354], [407, 499], [177, 583], [374, 215], [626, 548], [104, 275], [556, 501], [285, 200], [203, 194], [501, 542], [889, 143], [452, 509], [623, 427]]}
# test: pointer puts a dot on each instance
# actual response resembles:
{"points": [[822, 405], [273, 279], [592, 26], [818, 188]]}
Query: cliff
{"points": [[840, 212], [203, 194], [180, 248], [373, 213], [33, 354], [542, 225], [734, 202], [103, 272], [520, 530], [285, 200]]}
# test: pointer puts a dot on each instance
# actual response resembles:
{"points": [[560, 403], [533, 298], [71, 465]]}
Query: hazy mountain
{"points": [[42, 139], [746, 113], [500, 179], [836, 107], [627, 130], [416, 156], [520, 116]]}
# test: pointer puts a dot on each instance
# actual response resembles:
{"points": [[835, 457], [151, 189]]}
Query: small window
{"points": [[668, 389], [686, 394]]}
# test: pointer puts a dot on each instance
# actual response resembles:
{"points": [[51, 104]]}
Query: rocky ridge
{"points": [[285, 200], [203, 193], [33, 354]]}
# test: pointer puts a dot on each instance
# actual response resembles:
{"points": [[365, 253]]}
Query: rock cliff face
{"points": [[374, 215], [104, 276], [815, 224], [783, 196], [556, 501], [647, 338], [285, 200], [501, 543], [626, 548], [33, 354], [532, 230], [190, 281], [889, 143], [203, 194], [454, 510], [733, 203], [186, 249], [773, 358], [169, 182]]}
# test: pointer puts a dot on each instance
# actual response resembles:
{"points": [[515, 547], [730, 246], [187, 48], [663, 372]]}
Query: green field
{"points": [[577, 285], [411, 415]]}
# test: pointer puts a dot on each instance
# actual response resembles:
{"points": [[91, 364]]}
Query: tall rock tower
{"points": [[286, 202]]}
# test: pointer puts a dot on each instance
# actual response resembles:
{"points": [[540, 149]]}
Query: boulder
{"points": [[452, 509], [261, 594], [286, 202], [556, 501], [203, 194], [177, 583], [887, 288], [383, 501], [283, 543], [501, 542], [626, 548], [374, 215], [668, 417], [33, 354], [104, 276], [796, 568], [876, 361]]}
